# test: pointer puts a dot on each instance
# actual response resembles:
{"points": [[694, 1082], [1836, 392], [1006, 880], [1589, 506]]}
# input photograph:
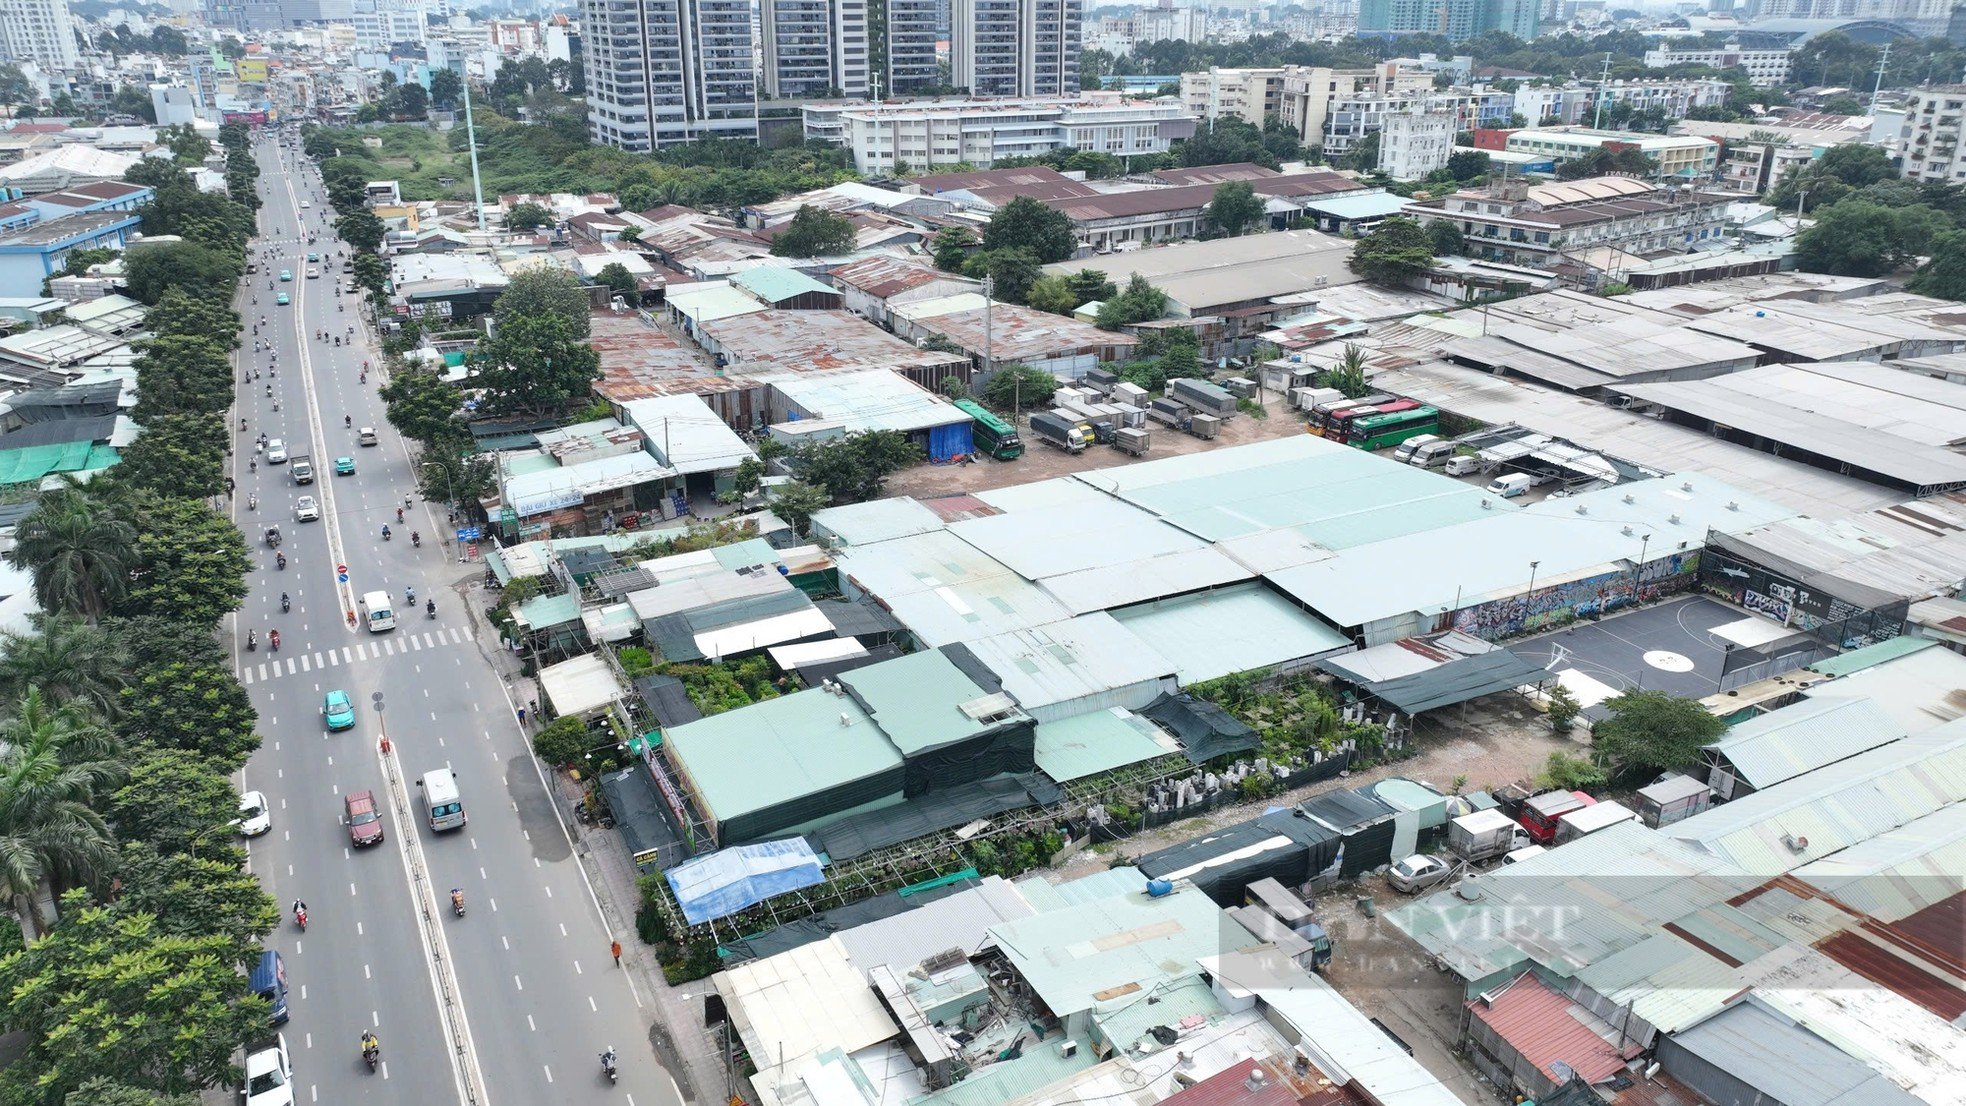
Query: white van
{"points": [[1403, 453], [1462, 464], [377, 612], [1510, 485], [441, 800]]}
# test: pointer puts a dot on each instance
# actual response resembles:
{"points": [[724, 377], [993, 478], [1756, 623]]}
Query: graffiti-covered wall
{"points": [[1561, 603], [1783, 599]]}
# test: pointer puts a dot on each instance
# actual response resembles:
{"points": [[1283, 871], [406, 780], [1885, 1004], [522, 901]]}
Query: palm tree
{"points": [[52, 767], [69, 660], [80, 552]]}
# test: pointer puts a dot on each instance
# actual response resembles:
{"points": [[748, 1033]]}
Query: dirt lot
{"points": [[1042, 462], [1499, 740]]}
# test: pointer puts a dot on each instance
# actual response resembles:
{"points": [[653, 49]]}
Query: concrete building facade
{"points": [[814, 48], [1765, 68], [1413, 144], [1015, 47], [1250, 95], [1458, 20], [1935, 120], [39, 31], [1512, 222], [666, 72], [947, 133]]}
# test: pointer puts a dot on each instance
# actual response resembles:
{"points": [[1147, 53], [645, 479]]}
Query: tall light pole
{"points": [[449, 488], [1638, 571], [1529, 596]]}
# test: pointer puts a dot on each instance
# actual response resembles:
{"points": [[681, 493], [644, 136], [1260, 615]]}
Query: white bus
{"points": [[440, 798], [377, 612]]}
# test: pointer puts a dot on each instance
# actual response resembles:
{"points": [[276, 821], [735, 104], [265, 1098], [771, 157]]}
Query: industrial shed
{"points": [[1070, 668], [1373, 834], [1281, 845], [948, 730], [1781, 745]]}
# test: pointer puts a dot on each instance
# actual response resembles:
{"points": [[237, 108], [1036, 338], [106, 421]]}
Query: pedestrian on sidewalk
{"points": [[522, 716], [615, 948]]}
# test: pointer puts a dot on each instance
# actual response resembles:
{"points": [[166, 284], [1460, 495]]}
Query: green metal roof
{"points": [[1088, 744], [543, 611], [916, 700], [779, 750], [775, 284], [1870, 656]]}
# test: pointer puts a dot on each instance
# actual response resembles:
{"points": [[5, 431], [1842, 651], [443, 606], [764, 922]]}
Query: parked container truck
{"points": [[1064, 433], [1100, 380], [1203, 396], [1590, 819], [1539, 815], [1170, 412], [1133, 440], [1484, 835], [1673, 798], [1124, 392]]}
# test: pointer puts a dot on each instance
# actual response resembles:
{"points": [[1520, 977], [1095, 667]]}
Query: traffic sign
{"points": [[469, 533], [342, 569]]}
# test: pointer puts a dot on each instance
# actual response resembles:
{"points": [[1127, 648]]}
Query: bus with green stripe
{"points": [[1380, 431], [993, 435]]}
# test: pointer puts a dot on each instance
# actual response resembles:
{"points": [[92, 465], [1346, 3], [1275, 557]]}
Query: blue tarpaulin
{"points": [[955, 440], [724, 882]]}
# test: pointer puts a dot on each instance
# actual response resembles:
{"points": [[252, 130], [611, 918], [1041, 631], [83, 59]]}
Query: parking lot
{"points": [[1677, 646]]}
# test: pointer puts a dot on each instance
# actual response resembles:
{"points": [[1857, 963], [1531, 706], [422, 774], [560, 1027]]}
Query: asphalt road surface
{"points": [[513, 1002]]}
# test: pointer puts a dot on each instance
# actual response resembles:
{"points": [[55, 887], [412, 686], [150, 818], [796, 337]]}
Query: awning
{"points": [[1444, 685], [717, 885]]}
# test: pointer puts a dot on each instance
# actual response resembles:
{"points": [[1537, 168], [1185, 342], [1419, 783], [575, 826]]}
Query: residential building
{"points": [[1685, 156], [1416, 142], [903, 58], [380, 24], [1351, 118], [1015, 47], [814, 48], [1250, 95], [1308, 90], [1512, 222], [945, 133], [1765, 68], [38, 31], [666, 72], [1165, 22], [1458, 20], [1935, 119]]}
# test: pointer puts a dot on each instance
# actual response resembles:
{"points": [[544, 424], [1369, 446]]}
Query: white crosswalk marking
{"points": [[246, 677], [290, 666], [416, 644], [304, 666]]}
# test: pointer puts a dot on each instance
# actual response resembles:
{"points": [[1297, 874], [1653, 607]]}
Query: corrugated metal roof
{"points": [[1046, 896], [779, 750], [1234, 629], [876, 520], [1667, 982], [1811, 816], [917, 699], [1044, 542], [1898, 873], [1548, 1029], [1067, 666], [1817, 731], [1088, 744], [962, 920], [1787, 1062], [775, 284], [1870, 656]]}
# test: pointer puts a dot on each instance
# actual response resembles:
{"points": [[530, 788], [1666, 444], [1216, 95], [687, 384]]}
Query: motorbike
{"points": [[300, 919], [252, 502], [607, 1065], [252, 641], [430, 609], [416, 539], [273, 642], [281, 560], [385, 533], [371, 1055], [286, 604], [457, 902]]}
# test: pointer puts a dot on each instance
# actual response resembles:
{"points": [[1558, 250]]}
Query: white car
{"points": [[306, 509], [312, 273], [276, 451], [254, 817], [305, 204], [270, 1075], [1416, 873]]}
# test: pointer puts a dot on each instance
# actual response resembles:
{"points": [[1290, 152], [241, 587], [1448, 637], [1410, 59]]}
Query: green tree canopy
{"points": [[446, 88], [155, 268], [527, 216], [79, 552], [1649, 732], [176, 803], [540, 291], [1019, 387], [797, 502], [109, 995], [192, 707], [187, 146], [1466, 165], [177, 313], [421, 405], [536, 364], [1053, 294], [951, 246], [1945, 275], [360, 227], [1140, 302], [620, 281], [1235, 208], [176, 455], [1089, 285], [1011, 272], [814, 233], [67, 660], [1395, 252], [1445, 239], [179, 374], [190, 561], [1856, 238], [1026, 224], [854, 468], [195, 896]]}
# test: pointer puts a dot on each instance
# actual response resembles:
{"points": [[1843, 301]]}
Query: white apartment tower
{"points": [[1935, 122], [814, 48], [1415, 142], [38, 31], [665, 72], [1015, 47]]}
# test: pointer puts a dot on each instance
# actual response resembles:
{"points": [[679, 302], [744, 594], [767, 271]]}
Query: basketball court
{"points": [[1679, 647]]}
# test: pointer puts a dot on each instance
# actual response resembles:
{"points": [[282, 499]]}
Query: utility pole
{"points": [[1597, 120], [471, 140], [1877, 85], [990, 347]]}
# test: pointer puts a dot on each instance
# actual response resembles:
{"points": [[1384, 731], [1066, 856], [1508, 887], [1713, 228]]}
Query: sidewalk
{"points": [[692, 1053]]}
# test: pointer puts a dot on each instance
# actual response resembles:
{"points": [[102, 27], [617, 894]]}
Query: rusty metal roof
{"points": [[1547, 1028], [818, 341], [639, 360]]}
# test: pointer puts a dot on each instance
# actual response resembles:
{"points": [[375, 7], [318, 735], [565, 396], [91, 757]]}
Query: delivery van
{"points": [[1510, 485], [1404, 451], [268, 980], [1433, 454], [441, 799], [377, 612]]}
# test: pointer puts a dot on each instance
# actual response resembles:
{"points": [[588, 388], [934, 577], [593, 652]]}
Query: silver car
{"points": [[1416, 873]]}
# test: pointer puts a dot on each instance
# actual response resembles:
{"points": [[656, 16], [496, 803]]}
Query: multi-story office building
{"points": [[1458, 20], [1250, 95], [1511, 222], [1415, 142], [1015, 47], [664, 72], [1765, 68], [1165, 21], [1935, 121], [902, 37], [38, 31], [940, 134], [1685, 156], [814, 48], [380, 24]]}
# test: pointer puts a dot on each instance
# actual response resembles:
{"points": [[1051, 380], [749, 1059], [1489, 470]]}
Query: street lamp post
{"points": [[1638, 570], [450, 489], [1529, 597]]}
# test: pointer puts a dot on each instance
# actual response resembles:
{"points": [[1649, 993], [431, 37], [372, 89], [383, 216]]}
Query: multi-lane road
{"points": [[513, 1002]]}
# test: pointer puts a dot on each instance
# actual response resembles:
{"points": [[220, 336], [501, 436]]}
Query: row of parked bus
{"points": [[1377, 421]]}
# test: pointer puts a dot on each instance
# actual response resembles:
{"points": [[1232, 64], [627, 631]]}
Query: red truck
{"points": [[1540, 814]]}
